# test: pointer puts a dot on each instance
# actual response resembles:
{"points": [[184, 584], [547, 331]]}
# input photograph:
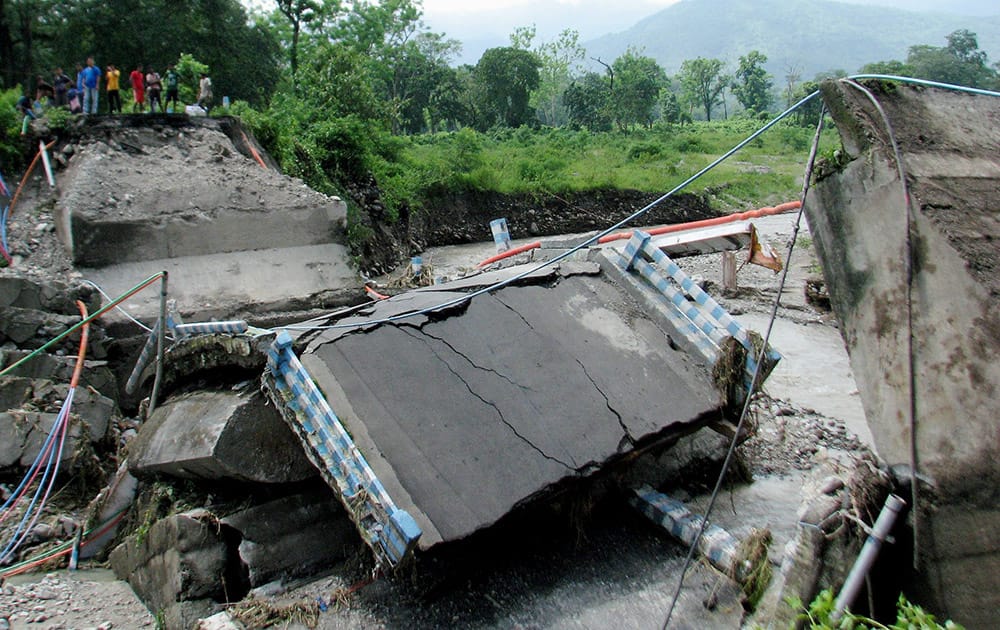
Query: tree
{"points": [[702, 81], [793, 74], [639, 80], [559, 59], [505, 77], [243, 56], [423, 82], [299, 14], [753, 84], [960, 62], [586, 101], [25, 27], [403, 58], [670, 107], [893, 67]]}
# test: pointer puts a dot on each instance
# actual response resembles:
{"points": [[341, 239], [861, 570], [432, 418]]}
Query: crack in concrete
{"points": [[423, 337], [607, 402], [514, 311], [473, 363]]}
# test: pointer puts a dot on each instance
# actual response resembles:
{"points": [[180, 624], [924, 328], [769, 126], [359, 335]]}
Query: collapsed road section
{"points": [[470, 408]]}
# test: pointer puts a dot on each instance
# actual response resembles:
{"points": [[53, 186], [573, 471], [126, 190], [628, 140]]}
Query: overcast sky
{"points": [[482, 24]]}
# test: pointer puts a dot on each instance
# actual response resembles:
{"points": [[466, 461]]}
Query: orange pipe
{"points": [[83, 345], [375, 294], [691, 225], [24, 179], [253, 150], [511, 252]]}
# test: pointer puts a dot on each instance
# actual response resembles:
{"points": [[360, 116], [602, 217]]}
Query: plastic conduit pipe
{"points": [[253, 150], [511, 252], [47, 164], [729, 218], [880, 531], [27, 174]]}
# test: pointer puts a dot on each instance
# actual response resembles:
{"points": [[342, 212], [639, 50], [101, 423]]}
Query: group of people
{"points": [[81, 96]]}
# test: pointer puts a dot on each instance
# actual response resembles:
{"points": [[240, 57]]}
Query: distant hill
{"points": [[812, 35]]}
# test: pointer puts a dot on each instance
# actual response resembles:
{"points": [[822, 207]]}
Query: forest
{"points": [[337, 90]]}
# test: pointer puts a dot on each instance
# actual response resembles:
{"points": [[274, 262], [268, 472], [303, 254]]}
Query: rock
{"points": [[219, 621], [55, 369], [41, 533], [22, 326], [52, 296], [219, 435]]}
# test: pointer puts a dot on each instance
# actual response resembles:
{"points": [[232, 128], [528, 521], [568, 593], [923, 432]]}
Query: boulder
{"points": [[216, 435]]}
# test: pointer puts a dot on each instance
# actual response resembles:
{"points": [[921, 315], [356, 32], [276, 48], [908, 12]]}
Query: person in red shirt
{"points": [[138, 89]]}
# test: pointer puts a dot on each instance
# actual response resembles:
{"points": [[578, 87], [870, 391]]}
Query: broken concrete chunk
{"points": [[23, 433], [531, 385], [96, 374], [219, 435], [293, 536], [175, 566], [51, 295]]}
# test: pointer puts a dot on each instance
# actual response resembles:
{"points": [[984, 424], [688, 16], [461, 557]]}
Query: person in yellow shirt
{"points": [[114, 99]]}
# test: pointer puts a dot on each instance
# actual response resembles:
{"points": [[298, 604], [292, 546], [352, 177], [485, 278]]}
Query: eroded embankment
{"points": [[382, 241]]}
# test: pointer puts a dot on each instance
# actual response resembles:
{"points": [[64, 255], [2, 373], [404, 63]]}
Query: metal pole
{"points": [[162, 331], [886, 518]]}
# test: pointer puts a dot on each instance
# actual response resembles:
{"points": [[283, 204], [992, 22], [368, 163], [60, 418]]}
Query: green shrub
{"points": [[11, 157], [909, 616], [645, 151]]}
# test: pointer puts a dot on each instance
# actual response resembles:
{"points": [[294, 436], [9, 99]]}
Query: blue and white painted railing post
{"points": [[716, 544], [389, 531], [695, 314]]}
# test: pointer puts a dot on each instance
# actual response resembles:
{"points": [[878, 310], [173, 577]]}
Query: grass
{"points": [[768, 170]]}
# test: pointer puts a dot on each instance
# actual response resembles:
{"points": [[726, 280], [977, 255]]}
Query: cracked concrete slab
{"points": [[467, 414]]}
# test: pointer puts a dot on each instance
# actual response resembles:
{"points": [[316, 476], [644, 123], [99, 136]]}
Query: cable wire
{"points": [[754, 382], [911, 357]]}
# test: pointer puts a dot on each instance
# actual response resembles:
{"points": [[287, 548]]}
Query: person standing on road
{"points": [[173, 84], [91, 84], [60, 84], [205, 93], [138, 89], [154, 87], [114, 98]]}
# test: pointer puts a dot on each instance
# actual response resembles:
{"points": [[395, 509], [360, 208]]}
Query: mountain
{"points": [[811, 36]]}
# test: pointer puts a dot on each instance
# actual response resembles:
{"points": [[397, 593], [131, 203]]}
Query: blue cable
{"points": [[30, 472], [51, 467]]}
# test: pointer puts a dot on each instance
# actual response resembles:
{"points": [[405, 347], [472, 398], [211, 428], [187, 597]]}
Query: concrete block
{"points": [[22, 433], [293, 536], [180, 560], [219, 435]]}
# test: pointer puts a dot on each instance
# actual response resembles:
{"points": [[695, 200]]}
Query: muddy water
{"points": [[814, 371]]}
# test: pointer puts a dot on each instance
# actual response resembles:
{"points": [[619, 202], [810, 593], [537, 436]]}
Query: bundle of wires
{"points": [[51, 454], [4, 214]]}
